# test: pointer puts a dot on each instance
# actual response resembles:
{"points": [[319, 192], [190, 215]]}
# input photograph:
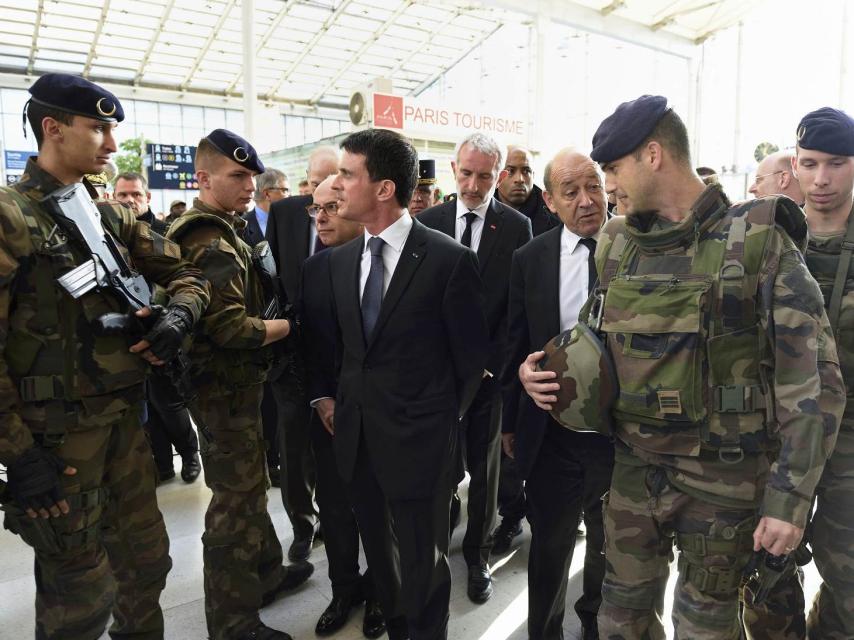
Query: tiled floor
{"points": [[183, 506]]}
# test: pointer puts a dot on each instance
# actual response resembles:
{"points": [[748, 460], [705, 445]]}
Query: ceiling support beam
{"points": [[213, 35], [385, 26], [286, 7], [167, 12], [308, 47], [34, 46], [91, 57]]}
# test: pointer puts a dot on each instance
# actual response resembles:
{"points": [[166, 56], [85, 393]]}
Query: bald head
{"points": [[575, 193], [774, 177], [516, 188], [333, 230], [322, 163]]}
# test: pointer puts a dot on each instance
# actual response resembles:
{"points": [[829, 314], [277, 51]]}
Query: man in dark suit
{"points": [[414, 345], [293, 238], [566, 472], [341, 534], [494, 231], [167, 421], [518, 190], [271, 186]]}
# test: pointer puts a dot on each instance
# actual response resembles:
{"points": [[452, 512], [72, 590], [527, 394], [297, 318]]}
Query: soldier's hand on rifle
{"points": [[34, 483], [163, 342], [535, 381], [777, 537]]}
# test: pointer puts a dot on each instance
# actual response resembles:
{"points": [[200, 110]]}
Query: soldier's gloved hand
{"points": [[34, 482], [165, 338]]}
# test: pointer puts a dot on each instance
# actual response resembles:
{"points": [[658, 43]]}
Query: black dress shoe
{"points": [[191, 467], [456, 507], [336, 615], [480, 584], [504, 534], [165, 475], [295, 575], [300, 548], [263, 632], [373, 626]]}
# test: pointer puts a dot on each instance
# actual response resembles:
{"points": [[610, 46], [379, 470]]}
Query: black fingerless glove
{"points": [[34, 479], [168, 332]]}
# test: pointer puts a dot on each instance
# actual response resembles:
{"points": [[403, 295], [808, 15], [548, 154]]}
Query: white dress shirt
{"points": [[476, 225], [312, 235], [395, 236], [573, 278]]}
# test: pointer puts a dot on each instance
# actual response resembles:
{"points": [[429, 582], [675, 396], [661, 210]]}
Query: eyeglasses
{"points": [[330, 208], [759, 178]]}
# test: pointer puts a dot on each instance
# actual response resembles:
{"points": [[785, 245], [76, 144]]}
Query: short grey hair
{"points": [[483, 143], [267, 180]]}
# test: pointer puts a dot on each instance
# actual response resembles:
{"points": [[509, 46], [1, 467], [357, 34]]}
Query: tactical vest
{"points": [[222, 371], [53, 356], [684, 331], [829, 261]]}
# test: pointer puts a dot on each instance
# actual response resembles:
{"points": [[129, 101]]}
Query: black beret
{"points": [[235, 148], [426, 172], [622, 131], [72, 94], [828, 130]]}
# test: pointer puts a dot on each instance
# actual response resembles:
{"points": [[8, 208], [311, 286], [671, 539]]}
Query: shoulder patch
{"points": [[219, 263]]}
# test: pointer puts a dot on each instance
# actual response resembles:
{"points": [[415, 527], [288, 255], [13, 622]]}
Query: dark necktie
{"points": [[318, 245], [470, 217], [372, 296], [590, 243]]}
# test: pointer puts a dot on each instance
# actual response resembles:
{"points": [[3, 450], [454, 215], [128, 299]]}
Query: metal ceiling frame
{"points": [[92, 50], [167, 10], [213, 35], [36, 27]]}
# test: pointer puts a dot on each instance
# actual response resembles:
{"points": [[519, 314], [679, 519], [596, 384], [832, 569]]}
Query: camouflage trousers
{"points": [[645, 516], [831, 534], [111, 553], [242, 553]]}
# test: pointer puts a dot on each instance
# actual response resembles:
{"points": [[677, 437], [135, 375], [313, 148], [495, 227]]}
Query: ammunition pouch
{"points": [[46, 535], [734, 542]]}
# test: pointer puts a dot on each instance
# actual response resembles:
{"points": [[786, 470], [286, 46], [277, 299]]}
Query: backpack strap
{"points": [[842, 266]]}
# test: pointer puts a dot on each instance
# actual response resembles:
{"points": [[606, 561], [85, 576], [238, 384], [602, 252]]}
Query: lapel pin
{"points": [[493, 227], [414, 255]]}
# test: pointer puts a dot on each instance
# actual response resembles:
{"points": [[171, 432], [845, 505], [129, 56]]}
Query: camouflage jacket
{"points": [[54, 372], [822, 258], [227, 348], [724, 361]]}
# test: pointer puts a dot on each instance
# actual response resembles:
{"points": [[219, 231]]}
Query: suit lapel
{"points": [[349, 306], [550, 270], [448, 224], [491, 229], [413, 253]]}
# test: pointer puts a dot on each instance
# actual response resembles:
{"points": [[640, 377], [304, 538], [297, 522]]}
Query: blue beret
{"points": [[828, 130], [426, 172], [233, 147], [622, 131], [72, 94]]}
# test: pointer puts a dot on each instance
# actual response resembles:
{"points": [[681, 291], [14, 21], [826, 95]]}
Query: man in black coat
{"points": [[494, 231], [341, 534], [566, 472], [271, 186], [518, 190], [293, 238], [414, 345], [168, 421]]}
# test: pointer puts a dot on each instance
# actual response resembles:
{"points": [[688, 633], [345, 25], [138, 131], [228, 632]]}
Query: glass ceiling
{"points": [[308, 51]]}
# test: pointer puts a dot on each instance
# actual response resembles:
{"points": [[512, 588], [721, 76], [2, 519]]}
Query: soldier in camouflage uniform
{"points": [[824, 168], [80, 474], [242, 556], [725, 362]]}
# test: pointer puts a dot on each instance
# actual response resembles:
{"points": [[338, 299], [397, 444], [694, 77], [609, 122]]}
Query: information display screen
{"points": [[171, 167]]}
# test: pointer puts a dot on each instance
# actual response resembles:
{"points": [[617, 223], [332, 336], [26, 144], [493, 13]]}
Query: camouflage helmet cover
{"points": [[587, 378]]}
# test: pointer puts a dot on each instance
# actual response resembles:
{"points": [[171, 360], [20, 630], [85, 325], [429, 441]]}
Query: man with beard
{"points": [[518, 190]]}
